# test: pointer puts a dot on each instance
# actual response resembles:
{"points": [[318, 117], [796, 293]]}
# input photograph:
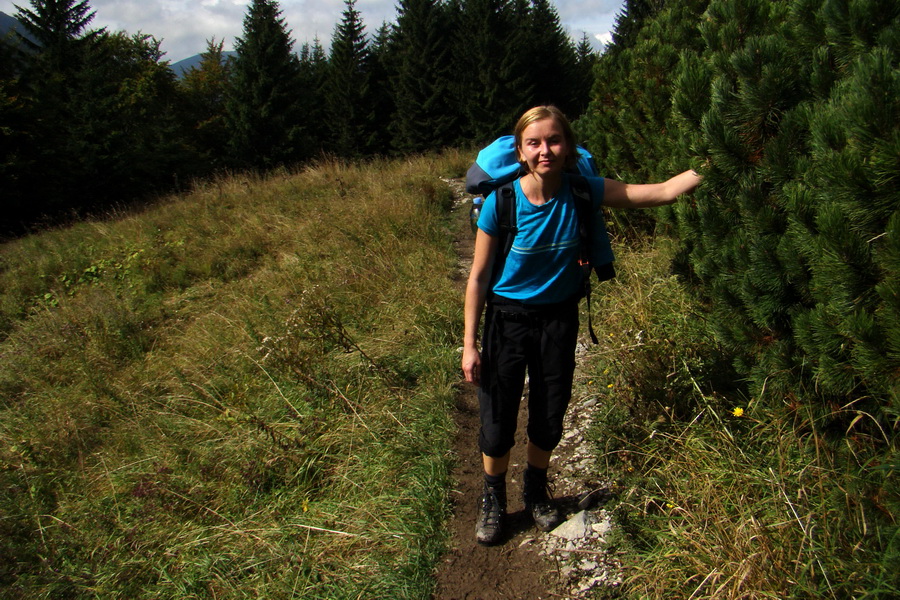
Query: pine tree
{"points": [[54, 81], [382, 65], [631, 104], [795, 233], [554, 70], [350, 114], [16, 150], [204, 89], [583, 76], [59, 32], [313, 74], [492, 67], [128, 137], [263, 123], [423, 116]]}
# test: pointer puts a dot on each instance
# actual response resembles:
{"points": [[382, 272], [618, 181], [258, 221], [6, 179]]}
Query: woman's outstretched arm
{"points": [[646, 195]]}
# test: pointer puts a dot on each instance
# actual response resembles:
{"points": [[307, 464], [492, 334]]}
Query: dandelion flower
{"points": [[738, 412], [610, 386]]}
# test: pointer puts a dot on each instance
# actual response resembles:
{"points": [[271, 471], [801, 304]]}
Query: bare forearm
{"points": [[681, 184], [648, 195], [474, 307]]}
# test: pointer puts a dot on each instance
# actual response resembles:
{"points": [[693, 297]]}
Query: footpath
{"points": [[574, 561]]}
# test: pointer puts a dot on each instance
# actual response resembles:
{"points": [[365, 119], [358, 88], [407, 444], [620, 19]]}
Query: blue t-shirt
{"points": [[542, 265]]}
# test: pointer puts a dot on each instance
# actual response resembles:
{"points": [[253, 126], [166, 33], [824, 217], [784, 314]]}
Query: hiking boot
{"points": [[539, 504], [490, 521]]}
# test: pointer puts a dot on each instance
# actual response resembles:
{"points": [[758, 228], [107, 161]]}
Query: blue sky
{"points": [[184, 26]]}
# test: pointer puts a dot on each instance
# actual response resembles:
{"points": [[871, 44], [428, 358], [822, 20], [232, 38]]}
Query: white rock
{"points": [[575, 528], [603, 527]]}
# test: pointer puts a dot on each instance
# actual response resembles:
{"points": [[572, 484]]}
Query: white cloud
{"points": [[184, 26], [604, 38]]}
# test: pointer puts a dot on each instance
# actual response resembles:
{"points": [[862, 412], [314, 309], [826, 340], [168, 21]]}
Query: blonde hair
{"points": [[539, 113]]}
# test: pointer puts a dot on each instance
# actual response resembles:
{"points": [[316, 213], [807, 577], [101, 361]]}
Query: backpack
{"points": [[497, 166]]}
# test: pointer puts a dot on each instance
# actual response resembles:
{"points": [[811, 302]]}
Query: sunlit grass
{"points": [[241, 392], [721, 495]]}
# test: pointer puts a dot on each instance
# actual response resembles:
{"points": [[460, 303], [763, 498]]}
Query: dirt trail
{"points": [[528, 565]]}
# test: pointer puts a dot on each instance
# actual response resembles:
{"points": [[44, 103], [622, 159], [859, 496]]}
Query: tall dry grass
{"points": [[240, 392]]}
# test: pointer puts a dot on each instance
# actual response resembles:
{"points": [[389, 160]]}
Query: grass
{"points": [[722, 495], [244, 391], [238, 392]]}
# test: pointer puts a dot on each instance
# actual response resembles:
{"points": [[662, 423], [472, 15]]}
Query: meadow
{"points": [[237, 392], [245, 391]]}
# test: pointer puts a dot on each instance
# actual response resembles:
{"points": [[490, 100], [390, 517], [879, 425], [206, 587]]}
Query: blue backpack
{"points": [[495, 169]]}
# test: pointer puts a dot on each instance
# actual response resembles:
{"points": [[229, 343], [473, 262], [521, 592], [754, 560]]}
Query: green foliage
{"points": [[788, 233], [204, 93], [424, 115], [105, 111], [721, 494], [629, 124], [351, 124], [555, 76], [262, 118], [492, 84], [785, 467]]}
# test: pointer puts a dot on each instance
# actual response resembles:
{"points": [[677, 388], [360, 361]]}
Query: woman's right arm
{"points": [[476, 295]]}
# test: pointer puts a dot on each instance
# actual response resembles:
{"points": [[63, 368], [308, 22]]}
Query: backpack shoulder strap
{"points": [[581, 192], [506, 214]]}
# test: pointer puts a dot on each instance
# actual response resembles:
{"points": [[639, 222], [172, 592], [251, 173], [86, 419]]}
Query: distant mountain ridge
{"points": [[9, 25], [183, 66]]}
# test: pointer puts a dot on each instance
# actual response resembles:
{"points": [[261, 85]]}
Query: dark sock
{"points": [[536, 473], [495, 480]]}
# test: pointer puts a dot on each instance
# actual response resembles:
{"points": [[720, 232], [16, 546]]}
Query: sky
{"points": [[184, 26]]}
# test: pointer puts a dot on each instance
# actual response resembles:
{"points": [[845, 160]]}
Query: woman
{"points": [[531, 321]]}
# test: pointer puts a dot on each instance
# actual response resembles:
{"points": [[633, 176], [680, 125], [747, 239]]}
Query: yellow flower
{"points": [[738, 412], [610, 386]]}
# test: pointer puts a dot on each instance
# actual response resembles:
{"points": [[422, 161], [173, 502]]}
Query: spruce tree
{"points": [[16, 149], [493, 67], [313, 73], [583, 76], [382, 66], [554, 69], [58, 32], [423, 116], [350, 113], [127, 137], [59, 96], [263, 123]]}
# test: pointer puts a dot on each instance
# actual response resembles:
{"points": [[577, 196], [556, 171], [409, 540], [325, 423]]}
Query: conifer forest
{"points": [[93, 117]]}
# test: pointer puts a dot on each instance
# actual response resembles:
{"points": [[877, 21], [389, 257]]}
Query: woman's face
{"points": [[544, 148]]}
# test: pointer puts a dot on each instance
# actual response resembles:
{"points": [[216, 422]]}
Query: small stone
{"points": [[587, 565], [575, 528], [603, 527]]}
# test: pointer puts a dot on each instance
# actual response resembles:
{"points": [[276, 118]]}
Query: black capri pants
{"points": [[539, 339]]}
